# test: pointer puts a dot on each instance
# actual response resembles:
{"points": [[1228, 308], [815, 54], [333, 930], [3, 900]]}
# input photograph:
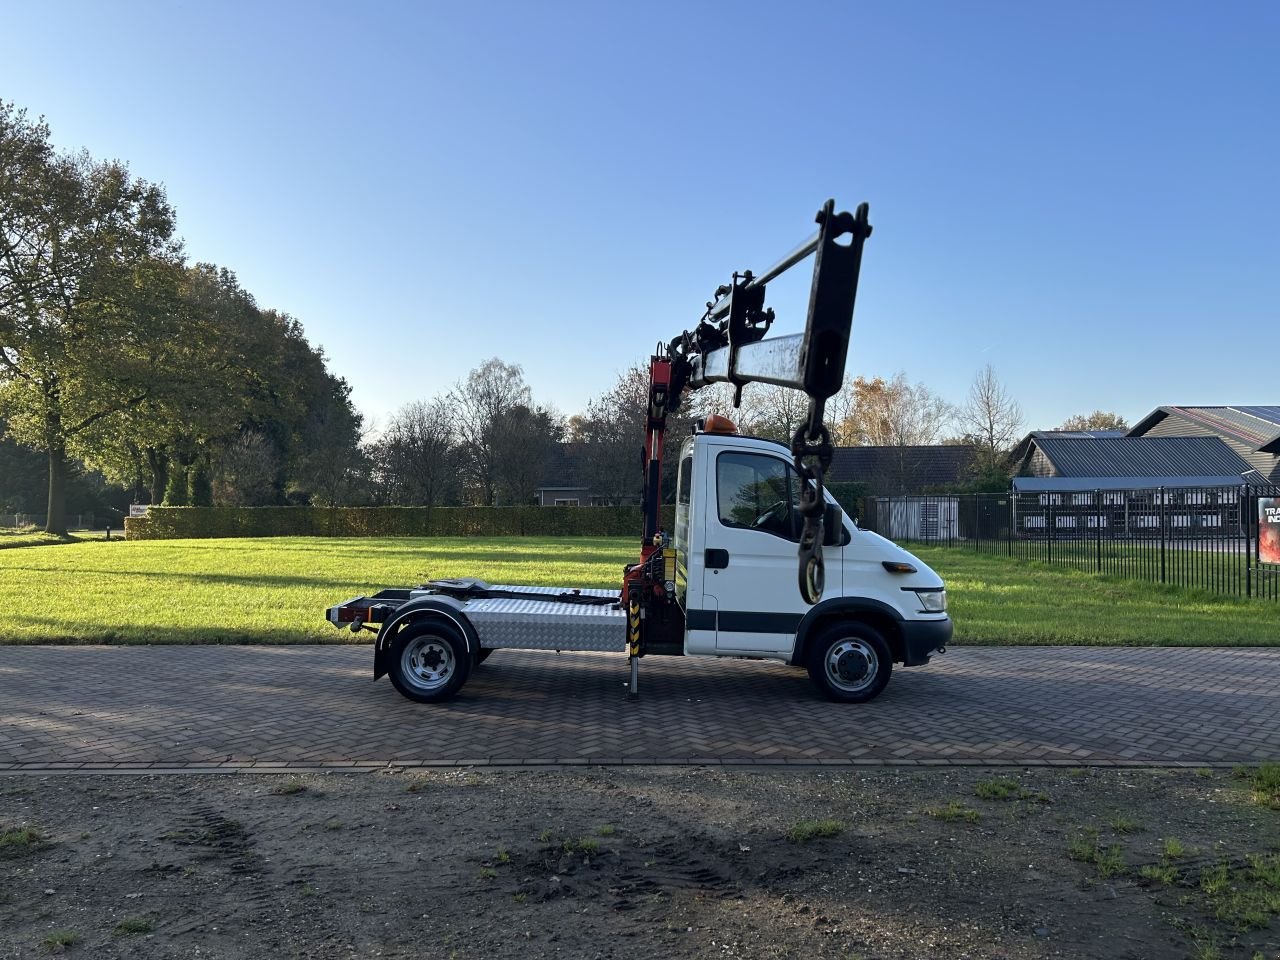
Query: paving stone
{"points": [[219, 707]]}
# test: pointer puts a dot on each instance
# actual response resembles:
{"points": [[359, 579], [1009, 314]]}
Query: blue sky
{"points": [[1084, 195]]}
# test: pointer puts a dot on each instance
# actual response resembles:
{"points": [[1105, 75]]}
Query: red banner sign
{"points": [[1269, 529]]}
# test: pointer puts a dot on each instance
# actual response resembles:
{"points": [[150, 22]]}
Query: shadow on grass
{"points": [[323, 634], [233, 579], [18, 541]]}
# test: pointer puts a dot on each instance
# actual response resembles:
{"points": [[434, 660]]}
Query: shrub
{"points": [[181, 523], [175, 494], [200, 486]]}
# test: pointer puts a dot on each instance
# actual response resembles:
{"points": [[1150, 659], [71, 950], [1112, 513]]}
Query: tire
{"points": [[850, 662], [429, 662]]}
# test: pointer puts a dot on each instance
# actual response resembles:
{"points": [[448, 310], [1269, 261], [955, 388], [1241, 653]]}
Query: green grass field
{"points": [[276, 590], [995, 599]]}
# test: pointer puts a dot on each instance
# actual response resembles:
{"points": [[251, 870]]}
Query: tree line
{"points": [[119, 356], [486, 441], [126, 368]]}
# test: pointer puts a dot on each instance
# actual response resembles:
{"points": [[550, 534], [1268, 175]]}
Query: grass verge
{"points": [[276, 591], [999, 600]]}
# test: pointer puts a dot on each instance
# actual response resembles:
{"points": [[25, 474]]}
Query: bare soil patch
{"points": [[652, 862]]}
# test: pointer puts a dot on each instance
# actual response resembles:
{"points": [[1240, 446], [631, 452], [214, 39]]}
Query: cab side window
{"points": [[683, 494], [758, 492]]}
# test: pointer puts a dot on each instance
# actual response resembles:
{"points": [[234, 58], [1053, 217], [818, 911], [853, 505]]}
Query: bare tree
{"points": [[488, 394], [418, 454], [607, 438], [991, 417], [839, 408]]}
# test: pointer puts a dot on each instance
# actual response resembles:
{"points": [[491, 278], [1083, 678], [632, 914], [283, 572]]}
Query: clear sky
{"points": [[1085, 195]]}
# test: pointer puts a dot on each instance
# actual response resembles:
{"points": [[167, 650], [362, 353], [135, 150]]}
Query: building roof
{"points": [[1256, 427], [1152, 458], [1019, 453], [1075, 434], [913, 468], [1054, 484]]}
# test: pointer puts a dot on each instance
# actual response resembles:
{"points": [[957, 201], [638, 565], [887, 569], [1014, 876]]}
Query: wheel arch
{"points": [[874, 613], [417, 612]]}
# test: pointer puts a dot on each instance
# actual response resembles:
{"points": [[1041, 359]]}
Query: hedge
{"points": [[183, 523]]}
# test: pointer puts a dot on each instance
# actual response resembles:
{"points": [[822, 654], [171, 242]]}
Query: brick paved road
{"points": [[311, 706]]}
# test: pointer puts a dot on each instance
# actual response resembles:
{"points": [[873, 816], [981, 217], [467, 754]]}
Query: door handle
{"points": [[716, 559]]}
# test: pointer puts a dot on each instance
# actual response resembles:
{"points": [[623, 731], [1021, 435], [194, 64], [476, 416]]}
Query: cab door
{"points": [[752, 536], [691, 498]]}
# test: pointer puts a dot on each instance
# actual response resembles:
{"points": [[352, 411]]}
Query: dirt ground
{"points": [[650, 862]]}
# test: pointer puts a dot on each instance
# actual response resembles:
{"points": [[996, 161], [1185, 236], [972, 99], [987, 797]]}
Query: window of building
{"points": [[566, 501]]}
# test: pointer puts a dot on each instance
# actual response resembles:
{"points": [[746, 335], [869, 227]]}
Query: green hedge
{"points": [[193, 523]]}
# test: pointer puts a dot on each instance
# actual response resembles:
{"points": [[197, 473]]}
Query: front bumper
{"points": [[922, 637]]}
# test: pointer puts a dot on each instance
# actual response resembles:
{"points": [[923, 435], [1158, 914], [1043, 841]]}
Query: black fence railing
{"points": [[1202, 537]]}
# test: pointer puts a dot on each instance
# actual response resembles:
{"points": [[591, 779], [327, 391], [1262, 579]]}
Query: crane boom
{"points": [[728, 346]]}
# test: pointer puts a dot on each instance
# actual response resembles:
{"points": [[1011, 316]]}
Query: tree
{"points": [[524, 441], [246, 472], [490, 392], [87, 288], [418, 455], [331, 467], [895, 413], [606, 440], [992, 418], [1098, 420]]}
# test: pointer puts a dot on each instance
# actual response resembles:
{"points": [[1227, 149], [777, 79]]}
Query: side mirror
{"points": [[832, 526]]}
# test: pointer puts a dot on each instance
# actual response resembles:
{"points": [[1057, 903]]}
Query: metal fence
{"points": [[25, 521], [1201, 537]]}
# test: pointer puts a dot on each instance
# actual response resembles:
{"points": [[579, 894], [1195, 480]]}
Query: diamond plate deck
{"points": [[507, 623]]}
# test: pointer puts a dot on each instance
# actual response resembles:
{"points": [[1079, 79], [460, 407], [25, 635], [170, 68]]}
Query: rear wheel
{"points": [[429, 662], [850, 662]]}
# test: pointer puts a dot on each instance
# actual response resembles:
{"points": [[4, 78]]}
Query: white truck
{"points": [[720, 584]]}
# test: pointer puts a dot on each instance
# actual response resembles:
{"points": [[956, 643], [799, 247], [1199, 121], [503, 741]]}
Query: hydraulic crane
{"points": [[750, 514]]}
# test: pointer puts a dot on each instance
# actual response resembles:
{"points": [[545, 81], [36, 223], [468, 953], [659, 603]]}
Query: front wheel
{"points": [[429, 662], [850, 662]]}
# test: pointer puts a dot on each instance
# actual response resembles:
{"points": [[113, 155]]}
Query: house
{"points": [[1253, 433], [563, 482], [574, 475], [1072, 485], [1051, 460]]}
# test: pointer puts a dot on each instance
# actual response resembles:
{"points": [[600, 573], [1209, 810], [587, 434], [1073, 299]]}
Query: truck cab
{"points": [[737, 529]]}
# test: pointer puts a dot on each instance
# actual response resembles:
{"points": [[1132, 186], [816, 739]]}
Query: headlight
{"points": [[933, 601]]}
